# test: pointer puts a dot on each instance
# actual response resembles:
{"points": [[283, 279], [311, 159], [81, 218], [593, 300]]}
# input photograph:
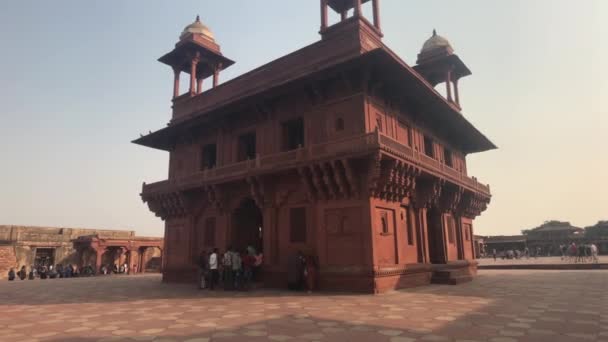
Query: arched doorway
{"points": [[247, 226]]}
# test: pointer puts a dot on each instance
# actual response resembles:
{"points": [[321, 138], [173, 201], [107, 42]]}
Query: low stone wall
{"points": [[7, 260]]}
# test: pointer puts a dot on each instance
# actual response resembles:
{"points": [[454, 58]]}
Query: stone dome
{"points": [[436, 42], [197, 27]]}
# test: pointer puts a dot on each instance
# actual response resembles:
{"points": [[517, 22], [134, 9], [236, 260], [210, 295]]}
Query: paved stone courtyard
{"points": [[499, 306]]}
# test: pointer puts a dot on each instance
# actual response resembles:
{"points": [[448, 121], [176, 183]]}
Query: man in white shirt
{"points": [[213, 269]]}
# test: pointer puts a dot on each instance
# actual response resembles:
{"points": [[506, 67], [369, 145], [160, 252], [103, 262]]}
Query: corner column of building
{"points": [[422, 233], [357, 5], [323, 15], [376, 8], [216, 74], [459, 237], [448, 84], [456, 92], [199, 85], [176, 73], [193, 64]]}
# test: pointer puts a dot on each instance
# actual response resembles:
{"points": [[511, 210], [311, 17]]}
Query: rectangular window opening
{"points": [[297, 225], [208, 157], [447, 155], [246, 146], [293, 134], [428, 146]]}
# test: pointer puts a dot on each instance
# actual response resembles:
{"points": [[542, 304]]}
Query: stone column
{"points": [[323, 15], [99, 252], [199, 85], [448, 84], [456, 92], [193, 64], [376, 7], [216, 75], [357, 6], [176, 73]]}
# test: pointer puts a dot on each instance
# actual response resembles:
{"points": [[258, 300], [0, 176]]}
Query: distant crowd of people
{"points": [[570, 253], [234, 270], [44, 271], [581, 253], [51, 272]]}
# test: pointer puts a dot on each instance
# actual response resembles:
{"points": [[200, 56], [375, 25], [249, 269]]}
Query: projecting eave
{"points": [[443, 117], [440, 114]]}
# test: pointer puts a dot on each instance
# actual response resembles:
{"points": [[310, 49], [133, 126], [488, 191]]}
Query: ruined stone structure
{"points": [[26, 246], [339, 149]]}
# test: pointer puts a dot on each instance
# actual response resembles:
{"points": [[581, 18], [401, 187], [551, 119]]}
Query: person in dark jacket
{"points": [[11, 274]]}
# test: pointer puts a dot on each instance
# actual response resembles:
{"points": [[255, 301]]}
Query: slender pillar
{"points": [[376, 7], [343, 15], [99, 251], [448, 84], [323, 15], [456, 92], [357, 8], [176, 73], [193, 64], [216, 75], [199, 85]]}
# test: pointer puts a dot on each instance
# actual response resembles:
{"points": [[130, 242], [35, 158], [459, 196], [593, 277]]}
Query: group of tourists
{"points": [[234, 270], [51, 272], [582, 253], [238, 270], [43, 271], [116, 269]]}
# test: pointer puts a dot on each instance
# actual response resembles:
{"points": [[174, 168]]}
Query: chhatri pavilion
{"points": [[339, 149]]}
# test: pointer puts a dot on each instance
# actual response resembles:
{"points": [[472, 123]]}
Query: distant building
{"points": [[551, 235], [598, 234], [27, 246], [504, 243]]}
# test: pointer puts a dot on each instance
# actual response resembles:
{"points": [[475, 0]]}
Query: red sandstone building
{"points": [[339, 149]]}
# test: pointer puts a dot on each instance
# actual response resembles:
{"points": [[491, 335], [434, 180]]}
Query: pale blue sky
{"points": [[79, 80]]}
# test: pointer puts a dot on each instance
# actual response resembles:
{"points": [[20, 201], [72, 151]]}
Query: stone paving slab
{"points": [[498, 306]]}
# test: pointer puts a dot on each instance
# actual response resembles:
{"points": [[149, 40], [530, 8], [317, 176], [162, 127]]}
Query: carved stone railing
{"points": [[359, 144], [429, 164]]}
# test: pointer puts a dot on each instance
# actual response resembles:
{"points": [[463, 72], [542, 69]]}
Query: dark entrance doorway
{"points": [[247, 226], [436, 237], [45, 256]]}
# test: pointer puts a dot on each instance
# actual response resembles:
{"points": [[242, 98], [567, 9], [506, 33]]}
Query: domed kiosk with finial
{"points": [[197, 28], [196, 53], [437, 63]]}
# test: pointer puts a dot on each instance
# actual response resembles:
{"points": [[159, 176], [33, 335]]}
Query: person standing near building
{"points": [[11, 274], [227, 272], [237, 268], [594, 253], [494, 254], [214, 274]]}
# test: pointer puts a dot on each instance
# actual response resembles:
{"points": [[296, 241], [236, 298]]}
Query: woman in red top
{"points": [[310, 273]]}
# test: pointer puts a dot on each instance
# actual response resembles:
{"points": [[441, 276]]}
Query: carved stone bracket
{"points": [[167, 205], [393, 180], [450, 198], [257, 190], [428, 192], [215, 197], [473, 204]]}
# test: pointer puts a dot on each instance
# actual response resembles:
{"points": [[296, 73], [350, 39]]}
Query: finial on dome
{"points": [[434, 32], [198, 18]]}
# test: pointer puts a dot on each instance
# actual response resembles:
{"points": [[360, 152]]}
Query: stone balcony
{"points": [[337, 149]]}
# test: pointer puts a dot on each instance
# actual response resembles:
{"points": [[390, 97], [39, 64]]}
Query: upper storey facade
{"points": [[347, 93]]}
